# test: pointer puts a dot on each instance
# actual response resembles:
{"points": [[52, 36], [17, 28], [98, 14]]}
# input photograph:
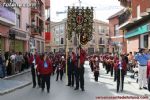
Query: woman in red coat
{"points": [[45, 70]]}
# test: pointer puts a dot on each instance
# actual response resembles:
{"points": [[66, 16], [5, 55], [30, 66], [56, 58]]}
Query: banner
{"points": [[47, 36], [80, 22]]}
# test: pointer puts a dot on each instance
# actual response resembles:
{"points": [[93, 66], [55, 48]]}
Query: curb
{"points": [[15, 88], [24, 72]]}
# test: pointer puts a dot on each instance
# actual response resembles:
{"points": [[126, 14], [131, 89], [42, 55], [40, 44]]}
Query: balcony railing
{"points": [[36, 30], [101, 42], [35, 10], [124, 17]]}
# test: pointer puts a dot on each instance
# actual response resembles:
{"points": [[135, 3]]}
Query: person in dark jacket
{"points": [[44, 68], [33, 61], [70, 70], [60, 68], [96, 68]]}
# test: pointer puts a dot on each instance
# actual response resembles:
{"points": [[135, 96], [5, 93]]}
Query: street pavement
{"points": [[11, 83], [59, 91]]}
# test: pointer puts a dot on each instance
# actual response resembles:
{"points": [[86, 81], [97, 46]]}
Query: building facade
{"points": [[39, 24], [98, 44], [137, 26], [117, 42], [47, 26], [14, 36], [23, 27]]}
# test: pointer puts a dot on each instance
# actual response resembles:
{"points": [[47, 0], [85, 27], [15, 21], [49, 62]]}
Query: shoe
{"points": [[42, 90], [121, 91], [47, 91], [33, 86], [145, 88], [76, 89], [82, 89], [140, 88], [68, 85]]}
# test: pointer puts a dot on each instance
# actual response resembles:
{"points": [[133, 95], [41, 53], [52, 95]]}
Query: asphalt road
{"points": [[59, 90]]}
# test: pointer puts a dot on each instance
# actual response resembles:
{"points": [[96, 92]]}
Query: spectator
{"points": [[142, 59]]}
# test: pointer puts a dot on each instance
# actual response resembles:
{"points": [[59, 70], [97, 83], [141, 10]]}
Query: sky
{"points": [[102, 8]]}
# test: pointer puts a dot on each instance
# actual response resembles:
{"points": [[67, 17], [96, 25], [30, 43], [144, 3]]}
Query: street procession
{"points": [[92, 50]]}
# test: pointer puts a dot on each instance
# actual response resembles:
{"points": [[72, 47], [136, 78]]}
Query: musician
{"points": [[60, 68], [111, 65], [80, 70], [33, 61], [121, 71], [70, 70], [96, 68]]}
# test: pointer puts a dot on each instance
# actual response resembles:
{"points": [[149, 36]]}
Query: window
{"points": [[62, 41], [90, 50], [101, 50], [138, 11], [146, 41], [116, 31], [17, 21], [100, 41]]}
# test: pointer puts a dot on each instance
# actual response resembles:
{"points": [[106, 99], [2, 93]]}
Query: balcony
{"points": [[102, 42], [7, 16], [33, 1], [47, 22], [47, 4], [124, 16], [35, 11], [125, 3], [36, 30]]}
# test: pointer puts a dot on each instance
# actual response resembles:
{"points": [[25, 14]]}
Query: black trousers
{"points": [[71, 78], [115, 75], [61, 74], [111, 70], [34, 75], [96, 74], [149, 83], [79, 74], [91, 65], [120, 77], [107, 68], [45, 79]]}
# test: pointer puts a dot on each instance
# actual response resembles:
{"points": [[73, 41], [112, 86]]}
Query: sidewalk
{"points": [[14, 82]]}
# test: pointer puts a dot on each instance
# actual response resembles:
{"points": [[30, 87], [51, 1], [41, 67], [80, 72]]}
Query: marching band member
{"points": [[96, 68]]}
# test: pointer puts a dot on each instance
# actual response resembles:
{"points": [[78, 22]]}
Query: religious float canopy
{"points": [[80, 22]]}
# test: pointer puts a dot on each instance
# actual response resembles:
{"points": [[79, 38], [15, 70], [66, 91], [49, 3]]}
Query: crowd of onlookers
{"points": [[13, 62]]}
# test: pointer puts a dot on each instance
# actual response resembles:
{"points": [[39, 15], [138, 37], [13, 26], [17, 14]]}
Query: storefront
{"points": [[17, 46], [19, 42], [2, 44], [138, 38]]}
